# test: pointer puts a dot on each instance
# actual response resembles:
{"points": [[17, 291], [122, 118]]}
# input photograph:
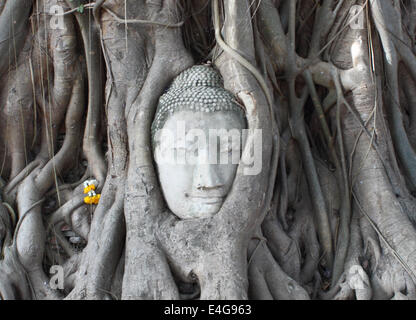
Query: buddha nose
{"points": [[206, 177]]}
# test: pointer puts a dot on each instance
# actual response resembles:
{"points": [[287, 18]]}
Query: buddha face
{"points": [[197, 155]]}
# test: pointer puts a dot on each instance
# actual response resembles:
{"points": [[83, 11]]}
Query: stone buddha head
{"points": [[197, 138]]}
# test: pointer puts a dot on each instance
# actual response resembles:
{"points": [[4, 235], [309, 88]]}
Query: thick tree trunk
{"points": [[330, 86]]}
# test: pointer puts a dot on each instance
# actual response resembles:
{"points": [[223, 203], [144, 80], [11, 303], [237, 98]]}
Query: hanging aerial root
{"points": [[92, 136]]}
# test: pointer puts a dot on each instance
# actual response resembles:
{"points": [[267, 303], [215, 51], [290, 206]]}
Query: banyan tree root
{"points": [[330, 214]]}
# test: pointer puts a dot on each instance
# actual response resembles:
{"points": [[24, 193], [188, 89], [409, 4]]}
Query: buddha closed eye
{"points": [[197, 141]]}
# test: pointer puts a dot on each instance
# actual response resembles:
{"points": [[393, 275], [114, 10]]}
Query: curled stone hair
{"points": [[199, 88]]}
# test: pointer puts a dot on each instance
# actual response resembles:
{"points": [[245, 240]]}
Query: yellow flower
{"points": [[96, 198], [87, 200], [89, 188], [89, 185], [92, 198]]}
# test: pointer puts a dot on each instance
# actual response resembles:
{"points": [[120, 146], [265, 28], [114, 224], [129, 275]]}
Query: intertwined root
{"points": [[328, 217]]}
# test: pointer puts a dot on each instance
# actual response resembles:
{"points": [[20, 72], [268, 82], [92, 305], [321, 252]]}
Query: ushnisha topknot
{"points": [[199, 88]]}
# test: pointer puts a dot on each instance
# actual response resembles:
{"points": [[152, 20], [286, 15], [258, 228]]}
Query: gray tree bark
{"points": [[330, 215]]}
